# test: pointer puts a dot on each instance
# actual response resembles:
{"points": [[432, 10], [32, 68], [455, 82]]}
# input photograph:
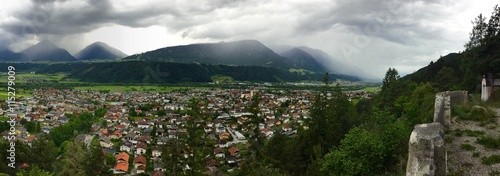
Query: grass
{"points": [[459, 132], [372, 89], [470, 112], [222, 79], [132, 88], [476, 154], [490, 160], [21, 77], [467, 147], [355, 101], [489, 142], [3, 95], [473, 133], [4, 119]]}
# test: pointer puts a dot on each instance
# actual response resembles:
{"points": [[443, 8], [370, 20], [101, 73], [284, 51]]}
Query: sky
{"points": [[371, 35]]}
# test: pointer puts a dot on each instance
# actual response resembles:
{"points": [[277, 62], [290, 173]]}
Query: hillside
{"points": [[168, 72], [47, 51], [242, 53], [99, 50], [302, 59], [8, 55]]}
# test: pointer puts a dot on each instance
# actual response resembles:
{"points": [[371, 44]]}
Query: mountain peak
{"points": [[99, 50], [47, 51]]}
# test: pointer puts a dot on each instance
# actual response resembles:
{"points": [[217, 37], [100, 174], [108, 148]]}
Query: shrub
{"points": [[467, 147], [490, 160], [489, 142], [474, 133]]}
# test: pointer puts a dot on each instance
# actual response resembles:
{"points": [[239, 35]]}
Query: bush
{"points": [[475, 154], [473, 133], [459, 133], [467, 147], [489, 142], [490, 160], [469, 112]]}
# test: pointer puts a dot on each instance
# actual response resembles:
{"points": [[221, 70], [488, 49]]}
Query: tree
{"points": [[72, 162], [375, 148], [478, 33], [94, 162], [49, 151], [34, 171], [494, 23]]}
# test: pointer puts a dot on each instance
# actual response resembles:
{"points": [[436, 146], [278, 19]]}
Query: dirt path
{"points": [[464, 159]]}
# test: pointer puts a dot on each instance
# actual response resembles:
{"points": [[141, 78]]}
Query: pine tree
{"points": [[478, 33]]}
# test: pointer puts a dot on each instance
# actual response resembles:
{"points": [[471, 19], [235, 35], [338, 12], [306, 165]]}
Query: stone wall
{"points": [[427, 152]]}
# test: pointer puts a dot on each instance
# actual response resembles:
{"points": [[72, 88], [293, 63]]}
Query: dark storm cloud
{"points": [[396, 21], [62, 17]]}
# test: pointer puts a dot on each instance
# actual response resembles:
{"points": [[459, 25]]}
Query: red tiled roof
{"points": [[140, 160], [141, 167], [121, 166], [122, 156], [233, 150]]}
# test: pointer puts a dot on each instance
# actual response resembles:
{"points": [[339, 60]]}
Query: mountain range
{"points": [[47, 51], [237, 53], [244, 53]]}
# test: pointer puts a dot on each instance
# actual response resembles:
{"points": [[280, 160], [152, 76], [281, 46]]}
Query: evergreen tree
{"points": [[478, 33]]}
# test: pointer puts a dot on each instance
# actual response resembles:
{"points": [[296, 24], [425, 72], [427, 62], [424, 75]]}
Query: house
{"points": [[224, 135], [160, 132], [156, 151], [63, 120], [121, 166], [219, 153], [162, 140], [127, 147], [211, 164], [222, 143], [105, 142], [116, 135], [130, 136], [141, 169], [239, 135], [157, 173], [143, 124], [141, 148], [286, 128], [139, 161], [234, 151], [267, 132], [85, 138], [232, 161]]}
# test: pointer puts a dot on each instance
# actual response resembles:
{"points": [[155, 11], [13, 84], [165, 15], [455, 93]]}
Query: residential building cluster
{"points": [[141, 136]]}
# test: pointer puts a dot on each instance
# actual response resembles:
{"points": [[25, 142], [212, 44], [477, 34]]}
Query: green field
{"points": [[4, 119], [134, 88], [3, 95], [372, 89], [355, 101], [21, 77]]}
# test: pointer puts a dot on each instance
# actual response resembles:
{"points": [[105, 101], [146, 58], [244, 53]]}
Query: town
{"points": [[139, 128]]}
